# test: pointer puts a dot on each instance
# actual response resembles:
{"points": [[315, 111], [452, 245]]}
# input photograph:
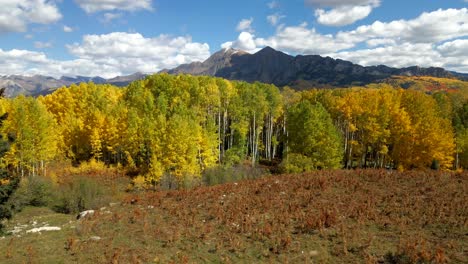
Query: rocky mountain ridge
{"points": [[300, 72], [39, 84]]}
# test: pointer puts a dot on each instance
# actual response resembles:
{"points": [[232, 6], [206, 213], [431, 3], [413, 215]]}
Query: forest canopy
{"points": [[182, 125]]}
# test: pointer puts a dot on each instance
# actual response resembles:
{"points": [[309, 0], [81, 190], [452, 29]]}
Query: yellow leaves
{"points": [[96, 144], [156, 171], [426, 83], [404, 126], [4, 182], [423, 135], [34, 132], [383, 150], [181, 125], [352, 127], [90, 118], [139, 183]]}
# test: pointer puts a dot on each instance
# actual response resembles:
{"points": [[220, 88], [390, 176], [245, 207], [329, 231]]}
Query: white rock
{"points": [[85, 213], [44, 228]]}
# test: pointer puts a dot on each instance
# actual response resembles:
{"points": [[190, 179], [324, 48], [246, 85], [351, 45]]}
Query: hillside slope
{"points": [[320, 217]]}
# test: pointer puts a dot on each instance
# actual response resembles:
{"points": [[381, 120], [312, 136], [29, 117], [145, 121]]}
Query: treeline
{"points": [[182, 125]]}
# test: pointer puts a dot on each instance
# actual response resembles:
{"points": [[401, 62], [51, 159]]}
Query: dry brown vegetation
{"points": [[356, 216]]}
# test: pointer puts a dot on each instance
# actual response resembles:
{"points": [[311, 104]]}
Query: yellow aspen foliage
{"points": [[35, 136]]}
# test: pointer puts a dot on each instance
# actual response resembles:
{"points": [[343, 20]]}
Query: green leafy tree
{"points": [[313, 135]]}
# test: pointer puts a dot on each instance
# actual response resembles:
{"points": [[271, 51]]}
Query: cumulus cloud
{"points": [[108, 55], [92, 6], [427, 28], [342, 16], [67, 29], [451, 55], [131, 52], [245, 25], [20, 61], [246, 42], [26, 62], [341, 12], [427, 40], [403, 55], [458, 47], [16, 15], [274, 19], [380, 41], [294, 39]]}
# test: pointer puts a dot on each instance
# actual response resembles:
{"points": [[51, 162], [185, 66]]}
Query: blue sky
{"points": [[117, 37]]}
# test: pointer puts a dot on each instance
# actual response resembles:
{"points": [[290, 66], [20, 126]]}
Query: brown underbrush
{"points": [[354, 216]]}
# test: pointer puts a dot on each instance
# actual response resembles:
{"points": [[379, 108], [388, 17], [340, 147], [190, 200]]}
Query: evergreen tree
{"points": [[8, 182]]}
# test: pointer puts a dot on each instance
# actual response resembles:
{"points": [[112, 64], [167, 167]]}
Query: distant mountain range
{"points": [[300, 72], [40, 85], [267, 65]]}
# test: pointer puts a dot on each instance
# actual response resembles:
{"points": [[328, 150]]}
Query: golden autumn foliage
{"points": [[182, 125], [427, 84]]}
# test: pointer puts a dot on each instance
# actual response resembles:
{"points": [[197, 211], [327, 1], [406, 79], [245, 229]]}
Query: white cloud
{"points": [[274, 19], [131, 52], [380, 41], [42, 45], [20, 61], [341, 12], [396, 43], [450, 55], [301, 39], [245, 25], [67, 29], [275, 4], [296, 39], [246, 42], [430, 27], [16, 15], [342, 16], [454, 48], [26, 62], [227, 45], [108, 17], [338, 3], [92, 6], [108, 55], [403, 55]]}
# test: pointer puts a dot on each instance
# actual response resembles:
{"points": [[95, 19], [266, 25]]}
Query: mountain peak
{"points": [[272, 66], [229, 52], [267, 49]]}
